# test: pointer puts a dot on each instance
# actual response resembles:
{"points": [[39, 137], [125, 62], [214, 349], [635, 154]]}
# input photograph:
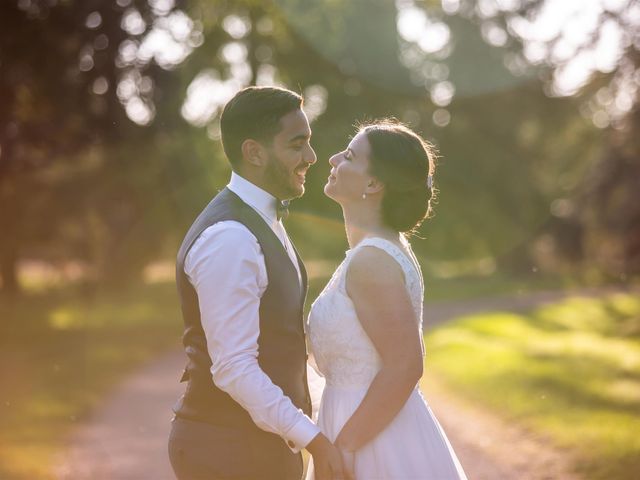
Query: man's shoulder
{"points": [[226, 239], [228, 229], [228, 232]]}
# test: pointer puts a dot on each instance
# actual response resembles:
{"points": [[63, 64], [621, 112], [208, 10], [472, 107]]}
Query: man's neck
{"points": [[253, 181]]}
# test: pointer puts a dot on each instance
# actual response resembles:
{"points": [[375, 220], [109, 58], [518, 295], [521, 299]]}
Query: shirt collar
{"points": [[254, 196]]}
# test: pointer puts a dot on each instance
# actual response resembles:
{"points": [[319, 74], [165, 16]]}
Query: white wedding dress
{"points": [[413, 445]]}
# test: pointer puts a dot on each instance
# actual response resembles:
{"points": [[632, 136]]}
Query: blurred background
{"points": [[109, 147]]}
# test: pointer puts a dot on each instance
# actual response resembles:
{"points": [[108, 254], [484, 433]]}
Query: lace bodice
{"points": [[341, 348]]}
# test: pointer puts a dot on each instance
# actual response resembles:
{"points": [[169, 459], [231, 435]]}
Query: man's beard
{"points": [[280, 179]]}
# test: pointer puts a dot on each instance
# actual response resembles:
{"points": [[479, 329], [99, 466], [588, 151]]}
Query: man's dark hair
{"points": [[255, 113]]}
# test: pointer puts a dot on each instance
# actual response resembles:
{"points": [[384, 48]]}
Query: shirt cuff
{"points": [[301, 434]]}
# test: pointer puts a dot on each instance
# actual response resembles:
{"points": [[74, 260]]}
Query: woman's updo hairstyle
{"points": [[404, 163]]}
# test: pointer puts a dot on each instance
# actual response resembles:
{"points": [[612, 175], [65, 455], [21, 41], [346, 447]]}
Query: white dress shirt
{"points": [[226, 267]]}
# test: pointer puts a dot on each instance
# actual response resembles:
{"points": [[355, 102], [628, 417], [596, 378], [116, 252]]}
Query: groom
{"points": [[245, 413]]}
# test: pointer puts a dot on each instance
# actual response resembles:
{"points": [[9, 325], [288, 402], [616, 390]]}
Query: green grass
{"points": [[59, 354], [570, 371], [487, 286]]}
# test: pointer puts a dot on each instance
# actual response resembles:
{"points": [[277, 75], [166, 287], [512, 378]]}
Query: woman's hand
{"points": [[347, 450], [327, 459]]}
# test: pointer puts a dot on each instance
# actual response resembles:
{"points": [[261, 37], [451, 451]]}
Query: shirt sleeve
{"points": [[226, 267]]}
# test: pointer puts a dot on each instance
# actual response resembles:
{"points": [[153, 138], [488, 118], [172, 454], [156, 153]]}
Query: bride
{"points": [[365, 328]]}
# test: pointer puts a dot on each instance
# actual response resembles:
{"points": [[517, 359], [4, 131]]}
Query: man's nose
{"points": [[311, 157]]}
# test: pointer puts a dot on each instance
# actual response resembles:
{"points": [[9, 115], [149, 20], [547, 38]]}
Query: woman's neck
{"points": [[361, 223]]}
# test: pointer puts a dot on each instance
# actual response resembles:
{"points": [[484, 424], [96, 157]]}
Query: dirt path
{"points": [[492, 449], [125, 439]]}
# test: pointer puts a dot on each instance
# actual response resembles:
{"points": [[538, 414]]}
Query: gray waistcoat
{"points": [[281, 344]]}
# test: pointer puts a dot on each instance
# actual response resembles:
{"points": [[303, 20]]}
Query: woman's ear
{"points": [[374, 186], [253, 153]]}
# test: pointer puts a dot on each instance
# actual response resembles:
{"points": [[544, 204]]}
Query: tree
{"points": [[73, 88], [591, 52]]}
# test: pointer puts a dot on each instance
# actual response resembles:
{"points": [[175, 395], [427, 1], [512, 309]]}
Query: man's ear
{"points": [[374, 186], [253, 152]]}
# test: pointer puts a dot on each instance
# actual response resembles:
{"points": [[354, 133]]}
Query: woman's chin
{"points": [[329, 194]]}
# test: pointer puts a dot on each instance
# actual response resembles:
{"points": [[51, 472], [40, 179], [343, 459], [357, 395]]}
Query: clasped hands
{"points": [[331, 461]]}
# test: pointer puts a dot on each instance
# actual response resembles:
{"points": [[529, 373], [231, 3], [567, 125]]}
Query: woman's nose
{"points": [[333, 160]]}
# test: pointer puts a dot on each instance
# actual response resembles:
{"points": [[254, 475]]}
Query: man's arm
{"points": [[226, 267]]}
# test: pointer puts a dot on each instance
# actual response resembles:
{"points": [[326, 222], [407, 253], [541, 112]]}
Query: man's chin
{"points": [[296, 191]]}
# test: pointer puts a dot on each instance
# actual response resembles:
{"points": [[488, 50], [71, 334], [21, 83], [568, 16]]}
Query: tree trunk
{"points": [[252, 45], [9, 271], [9, 214]]}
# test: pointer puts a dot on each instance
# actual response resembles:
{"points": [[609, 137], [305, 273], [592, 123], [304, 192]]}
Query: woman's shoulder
{"points": [[370, 264], [386, 256], [386, 248]]}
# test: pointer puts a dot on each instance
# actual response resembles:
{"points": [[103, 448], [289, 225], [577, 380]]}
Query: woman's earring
{"points": [[364, 196]]}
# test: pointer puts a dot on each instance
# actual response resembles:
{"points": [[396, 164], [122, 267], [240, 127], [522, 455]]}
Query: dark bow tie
{"points": [[282, 210]]}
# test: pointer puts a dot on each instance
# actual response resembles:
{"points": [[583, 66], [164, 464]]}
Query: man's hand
{"points": [[327, 460]]}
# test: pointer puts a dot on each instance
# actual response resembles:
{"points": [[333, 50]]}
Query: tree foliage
{"points": [[72, 165], [109, 122]]}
